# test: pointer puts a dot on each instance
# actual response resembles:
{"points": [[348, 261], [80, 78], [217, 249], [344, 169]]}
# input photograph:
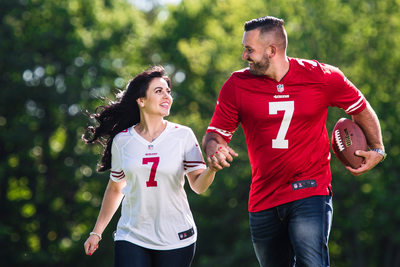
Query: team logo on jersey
{"points": [[281, 96], [280, 88], [186, 234], [304, 184], [150, 147]]}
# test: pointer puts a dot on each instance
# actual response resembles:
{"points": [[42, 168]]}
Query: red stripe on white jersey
{"points": [[200, 162], [118, 175]]}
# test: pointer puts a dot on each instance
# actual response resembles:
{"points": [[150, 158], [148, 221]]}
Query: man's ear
{"points": [[271, 51]]}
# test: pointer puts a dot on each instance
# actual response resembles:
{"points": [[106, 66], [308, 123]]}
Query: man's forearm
{"points": [[369, 122]]}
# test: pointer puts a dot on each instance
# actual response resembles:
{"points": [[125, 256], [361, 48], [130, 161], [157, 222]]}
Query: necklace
{"points": [[146, 134]]}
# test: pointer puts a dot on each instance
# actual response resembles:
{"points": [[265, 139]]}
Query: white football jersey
{"points": [[155, 210]]}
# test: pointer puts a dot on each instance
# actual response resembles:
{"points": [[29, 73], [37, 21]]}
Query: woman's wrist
{"points": [[211, 169], [96, 234]]}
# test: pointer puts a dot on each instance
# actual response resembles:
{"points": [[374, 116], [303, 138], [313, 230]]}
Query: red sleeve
{"points": [[342, 92], [226, 115]]}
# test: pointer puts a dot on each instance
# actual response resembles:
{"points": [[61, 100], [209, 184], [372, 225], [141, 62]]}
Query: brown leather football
{"points": [[347, 137]]}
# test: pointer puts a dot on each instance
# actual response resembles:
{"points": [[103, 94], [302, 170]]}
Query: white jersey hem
{"points": [[186, 243]]}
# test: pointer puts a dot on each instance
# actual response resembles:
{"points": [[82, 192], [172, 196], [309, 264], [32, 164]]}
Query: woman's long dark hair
{"points": [[121, 114]]}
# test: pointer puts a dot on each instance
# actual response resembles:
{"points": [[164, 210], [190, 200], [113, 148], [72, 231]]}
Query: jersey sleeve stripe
{"points": [[118, 176], [355, 105], [354, 108], [201, 162], [191, 166], [224, 133]]}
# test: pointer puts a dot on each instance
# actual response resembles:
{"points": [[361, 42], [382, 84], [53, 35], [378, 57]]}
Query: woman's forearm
{"points": [[111, 201]]}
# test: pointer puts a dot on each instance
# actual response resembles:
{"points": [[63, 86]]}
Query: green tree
{"points": [[57, 58], [61, 57]]}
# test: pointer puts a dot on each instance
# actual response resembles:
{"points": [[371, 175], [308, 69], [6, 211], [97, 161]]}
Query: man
{"points": [[282, 103]]}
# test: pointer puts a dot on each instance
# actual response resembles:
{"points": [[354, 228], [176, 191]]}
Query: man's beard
{"points": [[259, 68]]}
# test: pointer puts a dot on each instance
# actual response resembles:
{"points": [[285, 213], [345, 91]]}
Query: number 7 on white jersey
{"points": [[287, 106]]}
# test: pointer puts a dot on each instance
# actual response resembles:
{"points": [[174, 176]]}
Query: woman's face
{"points": [[158, 98]]}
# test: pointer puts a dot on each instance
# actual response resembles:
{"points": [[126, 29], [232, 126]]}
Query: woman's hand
{"points": [[91, 244]]}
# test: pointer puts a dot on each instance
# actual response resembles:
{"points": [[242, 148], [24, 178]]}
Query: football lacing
{"points": [[338, 140]]}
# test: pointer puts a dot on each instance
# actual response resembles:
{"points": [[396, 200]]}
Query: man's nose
{"points": [[244, 55]]}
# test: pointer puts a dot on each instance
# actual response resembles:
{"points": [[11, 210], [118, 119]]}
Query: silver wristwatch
{"points": [[380, 152]]}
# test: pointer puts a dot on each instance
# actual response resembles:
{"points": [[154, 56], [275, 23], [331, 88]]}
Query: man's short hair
{"points": [[265, 24], [268, 24]]}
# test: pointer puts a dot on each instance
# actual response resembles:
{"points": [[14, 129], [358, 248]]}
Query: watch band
{"points": [[380, 152]]}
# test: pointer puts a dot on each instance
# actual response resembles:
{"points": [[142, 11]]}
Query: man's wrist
{"points": [[380, 152], [211, 146]]}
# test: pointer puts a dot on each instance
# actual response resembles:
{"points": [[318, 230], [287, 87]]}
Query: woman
{"points": [[148, 157]]}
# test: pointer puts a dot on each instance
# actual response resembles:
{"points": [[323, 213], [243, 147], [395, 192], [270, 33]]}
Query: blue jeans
{"points": [[293, 234]]}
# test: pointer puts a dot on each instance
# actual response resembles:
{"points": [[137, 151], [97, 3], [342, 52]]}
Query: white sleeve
{"points": [[116, 174], [193, 157]]}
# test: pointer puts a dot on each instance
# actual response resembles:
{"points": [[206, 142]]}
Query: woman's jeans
{"points": [[127, 254], [293, 234]]}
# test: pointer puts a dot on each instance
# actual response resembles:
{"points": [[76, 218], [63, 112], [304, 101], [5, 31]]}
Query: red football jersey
{"points": [[285, 127]]}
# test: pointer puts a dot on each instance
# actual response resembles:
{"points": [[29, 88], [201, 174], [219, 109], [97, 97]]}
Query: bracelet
{"points": [[94, 233]]}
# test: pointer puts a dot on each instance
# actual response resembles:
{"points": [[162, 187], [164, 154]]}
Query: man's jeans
{"points": [[293, 234]]}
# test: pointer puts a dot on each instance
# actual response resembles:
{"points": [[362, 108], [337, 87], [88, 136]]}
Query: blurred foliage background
{"points": [[59, 58]]}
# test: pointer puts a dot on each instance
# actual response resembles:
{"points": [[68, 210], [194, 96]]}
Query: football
{"points": [[347, 137]]}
